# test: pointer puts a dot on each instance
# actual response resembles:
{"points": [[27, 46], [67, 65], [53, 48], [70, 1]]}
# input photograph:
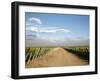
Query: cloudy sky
{"points": [[45, 29]]}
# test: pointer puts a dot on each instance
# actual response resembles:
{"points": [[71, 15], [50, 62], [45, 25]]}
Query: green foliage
{"points": [[81, 51]]}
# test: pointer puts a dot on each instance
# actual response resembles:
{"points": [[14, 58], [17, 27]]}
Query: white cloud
{"points": [[35, 20], [32, 21], [42, 41], [47, 30]]}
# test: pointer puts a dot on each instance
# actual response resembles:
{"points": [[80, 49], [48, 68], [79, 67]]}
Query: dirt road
{"points": [[57, 57]]}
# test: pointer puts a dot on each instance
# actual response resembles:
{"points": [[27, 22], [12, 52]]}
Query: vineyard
{"points": [[82, 52], [34, 53]]}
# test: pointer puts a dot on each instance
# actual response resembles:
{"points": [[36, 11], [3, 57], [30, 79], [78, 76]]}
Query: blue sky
{"points": [[56, 29]]}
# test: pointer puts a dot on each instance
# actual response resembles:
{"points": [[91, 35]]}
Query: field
{"points": [[48, 56]]}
